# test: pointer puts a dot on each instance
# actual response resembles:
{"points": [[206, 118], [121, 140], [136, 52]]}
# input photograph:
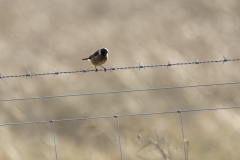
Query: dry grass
{"points": [[40, 36]]}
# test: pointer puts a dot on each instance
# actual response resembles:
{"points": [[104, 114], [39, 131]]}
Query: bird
{"points": [[98, 58]]}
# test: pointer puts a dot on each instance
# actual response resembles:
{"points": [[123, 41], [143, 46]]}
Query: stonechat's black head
{"points": [[104, 52]]}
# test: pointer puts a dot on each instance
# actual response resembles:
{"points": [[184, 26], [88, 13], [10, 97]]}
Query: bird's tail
{"points": [[85, 58]]}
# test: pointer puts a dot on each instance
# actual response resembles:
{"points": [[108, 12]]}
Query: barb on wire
{"points": [[196, 62], [130, 67], [141, 66], [169, 64], [28, 74], [225, 59], [120, 91], [56, 72], [83, 70], [113, 68]]}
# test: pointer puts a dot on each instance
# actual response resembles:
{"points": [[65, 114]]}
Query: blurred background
{"points": [[39, 36]]}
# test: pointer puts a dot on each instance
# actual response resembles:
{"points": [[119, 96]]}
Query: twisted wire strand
{"points": [[196, 62]]}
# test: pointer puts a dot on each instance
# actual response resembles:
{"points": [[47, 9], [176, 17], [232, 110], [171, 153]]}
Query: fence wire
{"points": [[119, 116], [119, 137], [121, 91], [140, 66], [54, 140], [118, 125], [183, 137]]}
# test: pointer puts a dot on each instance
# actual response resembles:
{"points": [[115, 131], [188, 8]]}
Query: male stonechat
{"points": [[98, 58]]}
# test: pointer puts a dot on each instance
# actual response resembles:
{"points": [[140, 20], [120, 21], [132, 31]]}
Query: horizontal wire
{"points": [[178, 111], [196, 62], [122, 115], [120, 91], [210, 109]]}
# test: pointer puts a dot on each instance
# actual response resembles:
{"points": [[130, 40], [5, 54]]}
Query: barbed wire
{"points": [[120, 91], [140, 66]]}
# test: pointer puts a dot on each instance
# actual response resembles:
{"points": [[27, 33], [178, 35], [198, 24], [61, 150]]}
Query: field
{"points": [[42, 36]]}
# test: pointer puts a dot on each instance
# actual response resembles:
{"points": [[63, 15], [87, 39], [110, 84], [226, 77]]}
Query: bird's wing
{"points": [[94, 55]]}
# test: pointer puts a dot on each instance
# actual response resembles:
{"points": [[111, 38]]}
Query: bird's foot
{"points": [[105, 70], [96, 70]]}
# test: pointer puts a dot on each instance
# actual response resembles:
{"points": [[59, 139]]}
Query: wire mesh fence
{"points": [[118, 124], [118, 117]]}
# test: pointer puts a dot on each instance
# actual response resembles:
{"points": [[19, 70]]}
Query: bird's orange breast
{"points": [[99, 60]]}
